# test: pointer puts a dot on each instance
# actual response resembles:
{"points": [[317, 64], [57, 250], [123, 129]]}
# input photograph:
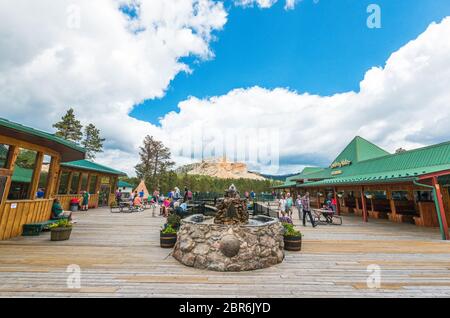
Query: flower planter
{"points": [[60, 233], [168, 240], [293, 243]]}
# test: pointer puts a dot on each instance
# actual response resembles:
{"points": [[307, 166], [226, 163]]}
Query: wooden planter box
{"points": [[60, 233], [293, 243], [168, 240]]}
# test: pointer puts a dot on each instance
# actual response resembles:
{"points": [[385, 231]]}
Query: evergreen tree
{"points": [[69, 127], [92, 142], [155, 161]]}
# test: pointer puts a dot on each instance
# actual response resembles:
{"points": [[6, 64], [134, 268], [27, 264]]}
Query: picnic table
{"points": [[125, 206], [323, 216]]}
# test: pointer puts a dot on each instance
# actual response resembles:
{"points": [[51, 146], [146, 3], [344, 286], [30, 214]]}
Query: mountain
{"points": [[278, 177], [220, 168]]}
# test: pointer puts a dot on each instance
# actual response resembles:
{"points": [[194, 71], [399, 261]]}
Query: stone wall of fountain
{"points": [[232, 241]]}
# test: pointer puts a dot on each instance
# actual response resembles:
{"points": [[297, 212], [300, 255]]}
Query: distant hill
{"points": [[220, 168], [279, 177]]}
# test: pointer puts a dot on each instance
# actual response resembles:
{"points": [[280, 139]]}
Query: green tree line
{"points": [[197, 183]]}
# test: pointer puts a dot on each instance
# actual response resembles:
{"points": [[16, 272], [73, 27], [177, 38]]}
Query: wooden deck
{"points": [[119, 256]]}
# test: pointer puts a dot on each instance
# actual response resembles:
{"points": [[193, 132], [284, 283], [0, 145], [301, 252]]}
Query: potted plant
{"points": [[61, 230], [292, 238], [168, 236], [174, 220]]}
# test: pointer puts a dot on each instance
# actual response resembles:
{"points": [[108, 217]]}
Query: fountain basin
{"points": [[205, 245]]}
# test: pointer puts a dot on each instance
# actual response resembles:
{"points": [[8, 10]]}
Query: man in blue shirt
{"points": [[40, 194]]}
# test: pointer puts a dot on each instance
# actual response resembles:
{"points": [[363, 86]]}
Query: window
{"points": [[380, 195], [22, 175], [424, 196], [63, 182], [74, 183], [4, 151], [84, 182], [105, 180], [400, 195], [93, 185], [43, 177]]}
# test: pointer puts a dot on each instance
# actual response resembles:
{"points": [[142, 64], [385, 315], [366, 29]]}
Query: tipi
{"points": [[141, 187]]}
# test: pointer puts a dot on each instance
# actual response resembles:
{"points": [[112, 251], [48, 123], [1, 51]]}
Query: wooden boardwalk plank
{"points": [[119, 256]]}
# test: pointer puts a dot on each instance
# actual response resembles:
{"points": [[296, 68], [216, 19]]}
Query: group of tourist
{"points": [[286, 206], [173, 200]]}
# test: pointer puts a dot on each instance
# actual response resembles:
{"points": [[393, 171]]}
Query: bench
{"points": [[35, 229]]}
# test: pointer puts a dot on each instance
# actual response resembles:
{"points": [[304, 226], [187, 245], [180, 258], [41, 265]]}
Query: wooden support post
{"points": [[36, 176], [10, 163], [69, 183], [52, 181], [338, 203], [393, 215], [80, 180], [364, 205], [441, 211]]}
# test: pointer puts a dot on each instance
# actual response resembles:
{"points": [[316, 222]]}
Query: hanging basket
{"points": [[60, 233]]}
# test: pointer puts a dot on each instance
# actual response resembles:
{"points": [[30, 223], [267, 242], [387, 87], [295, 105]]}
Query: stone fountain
{"points": [[231, 241]]}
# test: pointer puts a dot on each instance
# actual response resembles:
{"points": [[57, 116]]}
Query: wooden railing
{"points": [[17, 213], [64, 200]]}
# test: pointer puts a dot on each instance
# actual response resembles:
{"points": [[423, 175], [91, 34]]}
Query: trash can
{"points": [[74, 207]]}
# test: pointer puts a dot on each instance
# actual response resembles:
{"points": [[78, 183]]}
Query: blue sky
{"points": [[320, 48]]}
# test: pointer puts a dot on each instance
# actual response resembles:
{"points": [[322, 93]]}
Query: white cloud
{"points": [[104, 67], [265, 4], [404, 104], [290, 4], [260, 3], [113, 62]]}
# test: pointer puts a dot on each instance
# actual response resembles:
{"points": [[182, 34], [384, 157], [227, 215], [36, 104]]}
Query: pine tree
{"points": [[69, 127], [155, 161], [92, 141]]}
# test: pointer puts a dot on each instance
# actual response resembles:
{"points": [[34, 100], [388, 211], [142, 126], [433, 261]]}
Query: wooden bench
{"points": [[35, 229]]}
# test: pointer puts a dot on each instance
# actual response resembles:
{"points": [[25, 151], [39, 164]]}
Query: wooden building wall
{"points": [[14, 214]]}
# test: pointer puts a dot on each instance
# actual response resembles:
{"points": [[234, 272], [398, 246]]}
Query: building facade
{"points": [[367, 181], [35, 168]]}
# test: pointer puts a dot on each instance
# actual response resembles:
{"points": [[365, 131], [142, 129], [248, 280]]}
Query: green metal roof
{"points": [[308, 173], [92, 166], [380, 167], [289, 184], [395, 167], [123, 184], [22, 175], [359, 149], [39, 133]]}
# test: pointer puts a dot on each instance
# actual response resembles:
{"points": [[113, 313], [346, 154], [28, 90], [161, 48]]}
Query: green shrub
{"points": [[289, 230], [174, 220], [61, 223], [169, 230]]}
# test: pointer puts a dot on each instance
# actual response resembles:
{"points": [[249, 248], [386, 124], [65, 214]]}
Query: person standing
{"points": [[289, 205], [282, 206], [298, 204], [306, 204], [118, 196], [85, 202]]}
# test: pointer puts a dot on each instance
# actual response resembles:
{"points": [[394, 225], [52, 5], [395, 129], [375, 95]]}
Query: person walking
{"points": [[289, 205], [282, 206], [306, 204], [299, 204]]}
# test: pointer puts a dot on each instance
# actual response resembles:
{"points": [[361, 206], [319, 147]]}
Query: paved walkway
{"points": [[119, 255]]}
